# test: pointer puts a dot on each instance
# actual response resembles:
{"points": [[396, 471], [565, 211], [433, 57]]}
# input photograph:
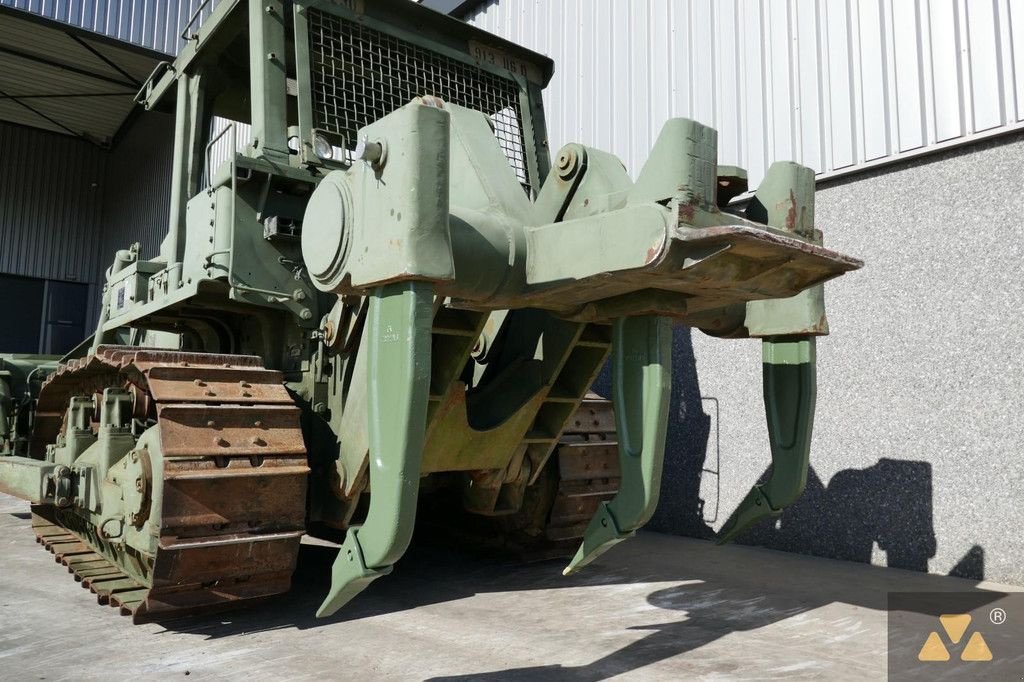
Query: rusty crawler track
{"points": [[588, 471], [233, 481], [583, 471]]}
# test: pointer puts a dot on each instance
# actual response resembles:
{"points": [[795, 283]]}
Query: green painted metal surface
{"points": [[21, 376], [399, 384], [439, 296], [641, 386], [790, 392], [26, 478]]}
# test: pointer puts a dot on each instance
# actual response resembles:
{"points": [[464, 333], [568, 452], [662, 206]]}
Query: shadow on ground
{"points": [[719, 590], [711, 591]]}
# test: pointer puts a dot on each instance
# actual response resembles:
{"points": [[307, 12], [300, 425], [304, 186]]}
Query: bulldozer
{"points": [[381, 295]]}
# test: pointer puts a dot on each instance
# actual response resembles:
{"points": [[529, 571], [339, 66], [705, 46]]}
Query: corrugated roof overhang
{"points": [[67, 80]]}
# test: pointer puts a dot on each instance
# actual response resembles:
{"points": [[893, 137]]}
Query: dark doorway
{"points": [[64, 317], [41, 316], [21, 300]]}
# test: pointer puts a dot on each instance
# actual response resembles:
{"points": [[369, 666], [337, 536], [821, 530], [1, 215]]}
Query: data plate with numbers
{"points": [[491, 56]]}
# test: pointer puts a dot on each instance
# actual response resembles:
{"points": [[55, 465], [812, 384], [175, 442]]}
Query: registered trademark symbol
{"points": [[997, 616]]}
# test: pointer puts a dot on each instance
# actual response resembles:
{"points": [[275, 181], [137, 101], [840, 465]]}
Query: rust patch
{"points": [[791, 213], [796, 246], [168, 383], [821, 326], [188, 430], [655, 252], [687, 211]]}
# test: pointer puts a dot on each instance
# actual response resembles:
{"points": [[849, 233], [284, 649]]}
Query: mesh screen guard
{"points": [[360, 75]]}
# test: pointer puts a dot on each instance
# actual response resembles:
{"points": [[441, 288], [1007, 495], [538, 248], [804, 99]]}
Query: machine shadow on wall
{"points": [[887, 505]]}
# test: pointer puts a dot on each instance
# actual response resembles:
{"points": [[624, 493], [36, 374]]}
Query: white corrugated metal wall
{"points": [[835, 84], [156, 24]]}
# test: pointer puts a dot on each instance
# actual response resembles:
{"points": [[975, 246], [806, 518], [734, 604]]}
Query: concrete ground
{"points": [[656, 607]]}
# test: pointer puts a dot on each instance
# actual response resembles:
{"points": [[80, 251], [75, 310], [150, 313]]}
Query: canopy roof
{"points": [[67, 80]]}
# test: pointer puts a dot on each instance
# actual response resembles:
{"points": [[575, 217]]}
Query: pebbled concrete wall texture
{"points": [[917, 456]]}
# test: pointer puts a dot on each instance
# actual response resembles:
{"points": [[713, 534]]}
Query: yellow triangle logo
{"points": [[955, 625], [933, 649], [976, 649]]}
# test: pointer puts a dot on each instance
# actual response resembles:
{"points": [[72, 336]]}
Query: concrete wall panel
{"points": [[916, 457]]}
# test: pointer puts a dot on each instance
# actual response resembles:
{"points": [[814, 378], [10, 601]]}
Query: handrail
{"points": [[209, 147], [193, 18], [147, 85]]}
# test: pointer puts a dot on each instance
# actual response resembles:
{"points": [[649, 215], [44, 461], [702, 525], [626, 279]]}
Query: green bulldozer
{"points": [[378, 298]]}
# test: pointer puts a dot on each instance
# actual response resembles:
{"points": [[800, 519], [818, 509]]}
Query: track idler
{"points": [[790, 388]]}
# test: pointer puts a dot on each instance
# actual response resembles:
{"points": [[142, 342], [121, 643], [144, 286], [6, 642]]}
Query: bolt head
{"points": [[568, 164], [371, 152]]}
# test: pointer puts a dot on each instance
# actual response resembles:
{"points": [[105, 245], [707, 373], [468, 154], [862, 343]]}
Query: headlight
{"points": [[322, 147]]}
